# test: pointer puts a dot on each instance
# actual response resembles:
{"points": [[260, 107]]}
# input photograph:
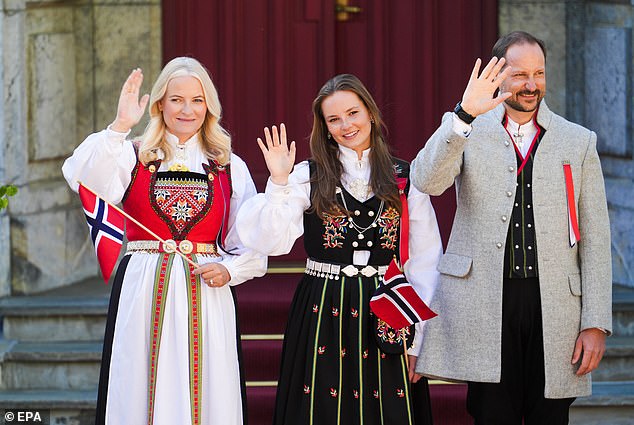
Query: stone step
{"points": [[62, 407], [618, 361], [75, 365], [78, 407], [610, 403], [78, 312], [51, 365], [623, 311], [56, 317], [77, 400]]}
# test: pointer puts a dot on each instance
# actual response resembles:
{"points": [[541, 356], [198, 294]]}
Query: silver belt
{"points": [[332, 271], [170, 246]]}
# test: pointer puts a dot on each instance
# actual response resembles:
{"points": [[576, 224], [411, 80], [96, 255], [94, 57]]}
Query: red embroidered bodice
{"points": [[175, 204]]}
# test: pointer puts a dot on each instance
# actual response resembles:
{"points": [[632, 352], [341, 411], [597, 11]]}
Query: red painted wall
{"points": [[269, 58]]}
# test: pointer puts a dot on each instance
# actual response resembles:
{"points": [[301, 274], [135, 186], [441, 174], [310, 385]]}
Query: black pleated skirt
{"points": [[332, 371]]}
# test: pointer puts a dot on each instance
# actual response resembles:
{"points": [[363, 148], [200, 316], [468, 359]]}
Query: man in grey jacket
{"points": [[524, 298]]}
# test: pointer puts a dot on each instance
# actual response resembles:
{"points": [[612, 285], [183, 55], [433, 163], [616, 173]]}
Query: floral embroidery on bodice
{"points": [[389, 223], [182, 199]]}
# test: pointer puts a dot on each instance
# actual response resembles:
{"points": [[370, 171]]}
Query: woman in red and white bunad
{"points": [[171, 350]]}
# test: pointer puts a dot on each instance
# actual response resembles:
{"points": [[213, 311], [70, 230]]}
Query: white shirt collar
{"points": [[350, 155], [356, 172], [189, 153], [522, 135], [513, 127], [173, 140]]}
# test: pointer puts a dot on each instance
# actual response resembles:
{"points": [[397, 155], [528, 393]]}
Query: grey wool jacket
{"points": [[464, 342]]}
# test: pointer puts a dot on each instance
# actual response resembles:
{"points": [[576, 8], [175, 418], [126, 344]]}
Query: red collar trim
{"points": [[505, 121]]}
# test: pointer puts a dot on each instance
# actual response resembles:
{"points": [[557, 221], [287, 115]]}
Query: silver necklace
{"points": [[360, 230], [180, 153]]}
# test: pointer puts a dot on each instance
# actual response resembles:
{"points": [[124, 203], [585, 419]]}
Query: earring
{"points": [[329, 136]]}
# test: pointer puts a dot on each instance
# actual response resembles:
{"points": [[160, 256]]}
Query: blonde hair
{"points": [[215, 139]]}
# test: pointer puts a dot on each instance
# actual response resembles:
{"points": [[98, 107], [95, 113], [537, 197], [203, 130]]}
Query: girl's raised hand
{"points": [[279, 157]]}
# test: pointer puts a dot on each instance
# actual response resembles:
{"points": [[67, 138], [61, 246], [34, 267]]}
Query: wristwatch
{"points": [[462, 114]]}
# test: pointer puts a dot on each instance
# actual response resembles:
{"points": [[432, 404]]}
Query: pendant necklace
{"points": [[180, 157], [360, 229]]}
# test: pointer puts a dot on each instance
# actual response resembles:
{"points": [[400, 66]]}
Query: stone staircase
{"points": [[51, 350], [612, 400]]}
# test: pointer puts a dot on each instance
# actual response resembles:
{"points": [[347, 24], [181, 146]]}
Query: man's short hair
{"points": [[516, 37]]}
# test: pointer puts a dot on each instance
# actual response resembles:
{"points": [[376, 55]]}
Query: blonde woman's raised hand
{"points": [[130, 108], [279, 156], [478, 95]]}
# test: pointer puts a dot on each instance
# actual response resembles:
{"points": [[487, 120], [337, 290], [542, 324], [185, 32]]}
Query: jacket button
{"points": [[511, 169], [503, 218], [499, 244], [509, 194], [506, 144]]}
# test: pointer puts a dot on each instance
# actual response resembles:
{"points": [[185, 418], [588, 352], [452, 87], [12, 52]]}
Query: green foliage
{"points": [[5, 192]]}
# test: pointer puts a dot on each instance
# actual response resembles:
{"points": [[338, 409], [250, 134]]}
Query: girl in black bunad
{"points": [[345, 201], [171, 350]]}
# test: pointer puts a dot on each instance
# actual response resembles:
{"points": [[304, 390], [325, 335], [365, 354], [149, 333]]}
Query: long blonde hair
{"points": [[215, 139]]}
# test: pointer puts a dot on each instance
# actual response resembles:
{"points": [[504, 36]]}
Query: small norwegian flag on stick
{"points": [[105, 222], [396, 302], [106, 229]]}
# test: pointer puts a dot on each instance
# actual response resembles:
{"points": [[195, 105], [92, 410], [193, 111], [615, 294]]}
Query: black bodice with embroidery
{"points": [[333, 239]]}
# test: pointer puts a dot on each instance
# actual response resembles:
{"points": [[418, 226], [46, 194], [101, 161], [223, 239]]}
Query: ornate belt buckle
{"points": [[169, 246], [186, 247], [368, 271], [350, 270]]}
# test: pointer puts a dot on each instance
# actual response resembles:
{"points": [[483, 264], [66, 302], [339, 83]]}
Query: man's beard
{"points": [[519, 107]]}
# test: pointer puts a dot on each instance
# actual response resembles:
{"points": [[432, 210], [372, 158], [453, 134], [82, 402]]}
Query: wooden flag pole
{"points": [[129, 217], [404, 336]]}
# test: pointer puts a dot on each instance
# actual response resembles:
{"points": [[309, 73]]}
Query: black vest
{"points": [[520, 257], [332, 239]]}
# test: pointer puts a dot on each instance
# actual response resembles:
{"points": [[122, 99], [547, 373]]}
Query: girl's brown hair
{"points": [[325, 152]]}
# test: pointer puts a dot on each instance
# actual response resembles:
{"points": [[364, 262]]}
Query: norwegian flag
{"points": [[106, 229], [397, 303]]}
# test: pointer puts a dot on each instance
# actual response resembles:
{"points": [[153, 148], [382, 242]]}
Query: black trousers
{"points": [[519, 397]]}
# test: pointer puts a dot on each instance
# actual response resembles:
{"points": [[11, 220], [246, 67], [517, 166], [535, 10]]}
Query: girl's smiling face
{"points": [[348, 120]]}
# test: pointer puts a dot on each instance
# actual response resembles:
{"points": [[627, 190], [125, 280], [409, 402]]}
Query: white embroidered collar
{"points": [[349, 157], [356, 175]]}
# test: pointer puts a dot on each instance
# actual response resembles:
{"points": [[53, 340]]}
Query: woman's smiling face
{"points": [[184, 107], [348, 120]]}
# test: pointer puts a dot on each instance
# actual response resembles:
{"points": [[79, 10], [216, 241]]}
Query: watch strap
{"points": [[462, 114]]}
